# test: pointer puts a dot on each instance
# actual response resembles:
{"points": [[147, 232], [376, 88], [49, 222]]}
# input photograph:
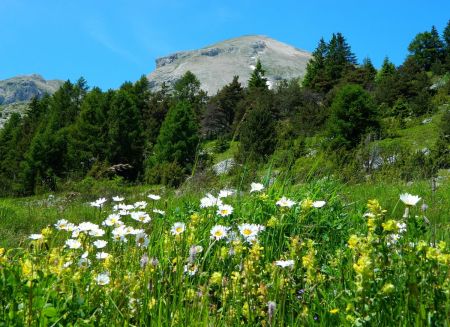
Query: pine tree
{"points": [[188, 88], [315, 77], [339, 59], [257, 133], [178, 138], [363, 75], [257, 79], [427, 49], [387, 69], [125, 132], [89, 134], [154, 114], [220, 111], [446, 39], [352, 115]]}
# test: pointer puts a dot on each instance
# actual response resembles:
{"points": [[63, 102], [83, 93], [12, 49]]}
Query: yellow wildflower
{"points": [[216, 278], [390, 226], [307, 204], [272, 222], [387, 288], [353, 241], [27, 268], [334, 311], [151, 303], [246, 310]]}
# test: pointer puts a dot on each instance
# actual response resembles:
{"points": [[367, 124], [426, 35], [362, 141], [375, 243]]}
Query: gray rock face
{"points": [[224, 166], [16, 92], [24, 88], [216, 65]]}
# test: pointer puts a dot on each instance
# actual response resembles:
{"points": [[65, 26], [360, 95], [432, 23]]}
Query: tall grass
{"points": [[348, 262]]}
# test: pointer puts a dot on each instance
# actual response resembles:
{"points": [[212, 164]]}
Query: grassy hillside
{"points": [[322, 255]]}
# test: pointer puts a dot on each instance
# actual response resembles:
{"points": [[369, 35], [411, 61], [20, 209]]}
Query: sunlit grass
{"points": [[311, 254]]}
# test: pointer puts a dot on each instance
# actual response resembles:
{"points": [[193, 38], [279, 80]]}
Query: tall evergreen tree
{"points": [[125, 132], [363, 75], [178, 138], [154, 114], [188, 88], [387, 69], [257, 134], [315, 77], [446, 39], [352, 115], [89, 134], [339, 58], [221, 108], [257, 78], [427, 49]]}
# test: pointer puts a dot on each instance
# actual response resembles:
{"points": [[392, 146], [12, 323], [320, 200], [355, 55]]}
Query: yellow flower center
{"points": [[179, 229], [218, 233], [247, 232]]}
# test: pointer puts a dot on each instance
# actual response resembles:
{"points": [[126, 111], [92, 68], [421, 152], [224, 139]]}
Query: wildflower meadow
{"points": [[253, 257]]}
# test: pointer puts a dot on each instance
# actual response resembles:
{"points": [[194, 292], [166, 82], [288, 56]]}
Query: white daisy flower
{"points": [[119, 233], [62, 224], [250, 231], [154, 197], [392, 239], [134, 231], [102, 279], [318, 204], [401, 227], [36, 237], [140, 216], [97, 232], [67, 264], [101, 255], [225, 193], [100, 244], [409, 199], [210, 201], [118, 198], [73, 244], [84, 263], [123, 213], [142, 240], [256, 187], [161, 212], [87, 226], [191, 270], [284, 263], [140, 205], [225, 210], [98, 203], [112, 220], [285, 202], [75, 232], [219, 232], [178, 228]]}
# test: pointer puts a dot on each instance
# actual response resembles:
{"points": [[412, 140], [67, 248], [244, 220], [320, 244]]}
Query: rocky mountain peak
{"points": [[217, 64]]}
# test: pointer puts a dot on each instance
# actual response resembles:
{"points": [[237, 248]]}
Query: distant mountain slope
{"points": [[15, 93], [216, 65], [24, 88]]}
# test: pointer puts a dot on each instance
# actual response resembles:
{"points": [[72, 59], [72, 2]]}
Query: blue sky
{"points": [[112, 41]]}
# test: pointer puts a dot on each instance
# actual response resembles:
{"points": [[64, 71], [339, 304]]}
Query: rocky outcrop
{"points": [[216, 65], [24, 88], [16, 92]]}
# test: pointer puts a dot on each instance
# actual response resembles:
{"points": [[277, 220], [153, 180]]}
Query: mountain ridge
{"points": [[216, 64], [17, 91]]}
